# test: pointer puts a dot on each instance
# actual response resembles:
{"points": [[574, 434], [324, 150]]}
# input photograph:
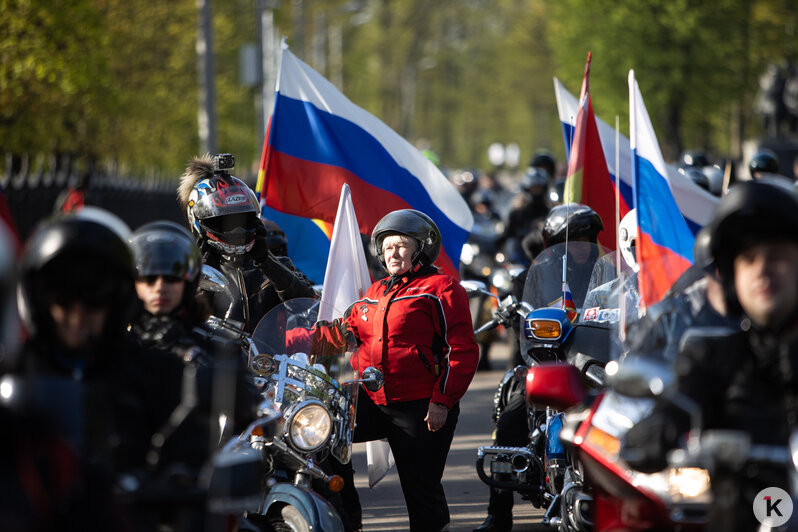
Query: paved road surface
{"points": [[384, 507]]}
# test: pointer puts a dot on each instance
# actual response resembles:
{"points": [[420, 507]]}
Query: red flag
{"points": [[589, 180]]}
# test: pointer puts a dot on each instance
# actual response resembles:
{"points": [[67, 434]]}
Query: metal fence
{"points": [[33, 194]]}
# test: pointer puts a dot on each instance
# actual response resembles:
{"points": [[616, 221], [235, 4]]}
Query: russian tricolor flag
{"points": [[695, 203], [665, 242], [318, 140], [589, 179]]}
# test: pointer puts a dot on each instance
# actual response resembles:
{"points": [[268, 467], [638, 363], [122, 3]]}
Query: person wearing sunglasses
{"points": [[168, 268]]}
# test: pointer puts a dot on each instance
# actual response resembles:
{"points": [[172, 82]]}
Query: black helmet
{"points": [[702, 251], [763, 161], [544, 159], [414, 224], [534, 177], [751, 212], [696, 175], [579, 220], [694, 158], [81, 256], [221, 209], [165, 248], [275, 238]]}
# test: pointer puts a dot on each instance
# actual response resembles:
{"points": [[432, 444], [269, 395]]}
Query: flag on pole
{"points": [[318, 140], [345, 281], [589, 180], [568, 304], [347, 276], [695, 203], [665, 242]]}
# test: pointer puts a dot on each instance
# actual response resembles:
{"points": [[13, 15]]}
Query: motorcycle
{"points": [[543, 471], [268, 472], [597, 420]]}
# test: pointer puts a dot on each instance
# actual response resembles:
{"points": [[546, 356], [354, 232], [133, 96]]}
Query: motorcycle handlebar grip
{"points": [[492, 324]]}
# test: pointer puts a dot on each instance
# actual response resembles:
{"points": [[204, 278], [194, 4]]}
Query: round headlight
{"points": [[309, 427]]}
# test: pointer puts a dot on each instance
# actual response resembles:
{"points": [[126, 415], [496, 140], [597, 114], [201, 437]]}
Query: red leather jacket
{"points": [[419, 334]]}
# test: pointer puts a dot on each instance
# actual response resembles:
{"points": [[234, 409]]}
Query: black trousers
{"points": [[420, 455]]}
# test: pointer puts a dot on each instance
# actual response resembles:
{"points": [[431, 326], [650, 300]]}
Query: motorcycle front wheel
{"points": [[289, 519]]}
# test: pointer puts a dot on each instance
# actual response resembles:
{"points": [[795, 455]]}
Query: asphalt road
{"points": [[384, 507]]}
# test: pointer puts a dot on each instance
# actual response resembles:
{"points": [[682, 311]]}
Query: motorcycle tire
{"points": [[289, 519]]}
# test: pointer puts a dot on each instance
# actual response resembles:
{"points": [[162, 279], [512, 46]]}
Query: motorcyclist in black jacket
{"points": [[172, 320], [512, 429], [78, 373], [745, 380], [224, 215]]}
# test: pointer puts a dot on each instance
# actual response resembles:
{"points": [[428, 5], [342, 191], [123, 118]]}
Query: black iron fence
{"points": [[34, 194]]}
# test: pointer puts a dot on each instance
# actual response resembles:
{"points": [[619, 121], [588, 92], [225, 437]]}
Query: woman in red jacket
{"points": [[415, 326]]}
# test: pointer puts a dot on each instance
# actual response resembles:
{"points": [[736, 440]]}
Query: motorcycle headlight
{"points": [[677, 484], [309, 426]]}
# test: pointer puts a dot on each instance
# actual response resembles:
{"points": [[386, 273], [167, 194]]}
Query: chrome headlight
{"points": [[309, 426]]}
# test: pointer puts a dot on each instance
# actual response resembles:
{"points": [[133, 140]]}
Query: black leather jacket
{"points": [[263, 288]]}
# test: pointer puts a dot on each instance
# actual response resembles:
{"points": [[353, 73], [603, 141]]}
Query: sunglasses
{"points": [[151, 279]]}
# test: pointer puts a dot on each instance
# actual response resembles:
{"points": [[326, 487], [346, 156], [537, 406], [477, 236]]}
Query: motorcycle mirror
{"points": [[473, 287], [641, 377], [212, 280], [373, 379]]}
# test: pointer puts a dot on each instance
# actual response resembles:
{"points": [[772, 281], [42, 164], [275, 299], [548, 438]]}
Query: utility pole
{"points": [[267, 60], [206, 116]]}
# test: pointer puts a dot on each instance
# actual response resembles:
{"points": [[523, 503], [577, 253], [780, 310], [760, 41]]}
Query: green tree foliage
{"points": [[114, 80]]}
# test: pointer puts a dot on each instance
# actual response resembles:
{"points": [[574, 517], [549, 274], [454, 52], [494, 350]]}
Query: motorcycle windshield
{"points": [[302, 360], [544, 281]]}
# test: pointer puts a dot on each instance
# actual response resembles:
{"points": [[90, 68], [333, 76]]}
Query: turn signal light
{"points": [[544, 329], [336, 483]]}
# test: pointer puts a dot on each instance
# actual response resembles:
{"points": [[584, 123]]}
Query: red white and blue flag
{"points": [[695, 203], [665, 242], [568, 304], [318, 140], [589, 180]]}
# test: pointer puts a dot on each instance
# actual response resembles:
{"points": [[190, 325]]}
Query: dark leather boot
{"points": [[494, 523]]}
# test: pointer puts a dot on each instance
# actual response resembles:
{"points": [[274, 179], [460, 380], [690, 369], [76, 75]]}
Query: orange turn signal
{"points": [[336, 483], [544, 329]]}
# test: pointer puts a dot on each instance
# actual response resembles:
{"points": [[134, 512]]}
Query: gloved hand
{"points": [[329, 337], [260, 249], [280, 275]]}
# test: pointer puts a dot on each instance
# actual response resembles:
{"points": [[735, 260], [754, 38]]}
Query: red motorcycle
{"points": [[623, 499]]}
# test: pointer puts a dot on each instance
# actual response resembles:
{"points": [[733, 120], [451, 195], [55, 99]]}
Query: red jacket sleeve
{"points": [[463, 356]]}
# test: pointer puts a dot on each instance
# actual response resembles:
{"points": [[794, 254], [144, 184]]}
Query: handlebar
{"points": [[509, 307]]}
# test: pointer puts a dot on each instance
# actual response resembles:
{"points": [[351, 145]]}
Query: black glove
{"points": [[279, 274]]}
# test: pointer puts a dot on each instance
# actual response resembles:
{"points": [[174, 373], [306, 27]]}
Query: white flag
{"points": [[346, 280]]}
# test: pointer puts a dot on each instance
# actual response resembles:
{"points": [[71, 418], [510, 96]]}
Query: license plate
{"points": [[500, 467]]}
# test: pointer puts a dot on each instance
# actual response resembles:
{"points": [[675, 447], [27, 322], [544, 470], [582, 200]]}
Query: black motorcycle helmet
{"points": [[535, 177], [166, 248], [702, 251], [579, 220], [764, 161], [697, 176], [545, 160], [752, 212], [694, 158], [81, 256], [414, 224]]}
